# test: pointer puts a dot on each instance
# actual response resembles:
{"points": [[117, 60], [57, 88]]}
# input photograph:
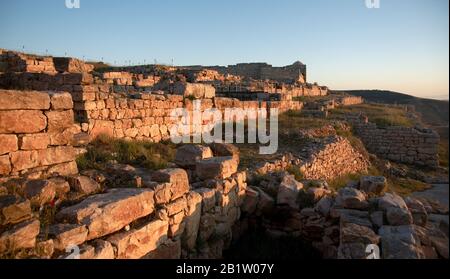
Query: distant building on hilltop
{"points": [[295, 73]]}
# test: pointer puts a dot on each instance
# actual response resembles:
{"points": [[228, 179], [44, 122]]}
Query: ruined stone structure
{"points": [[262, 71], [173, 213], [120, 104], [419, 146], [202, 203]]}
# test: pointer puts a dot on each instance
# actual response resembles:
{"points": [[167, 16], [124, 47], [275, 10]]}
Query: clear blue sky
{"points": [[402, 46]]}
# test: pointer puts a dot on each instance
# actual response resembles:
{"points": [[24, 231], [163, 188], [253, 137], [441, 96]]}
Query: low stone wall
{"points": [[400, 144], [349, 101], [36, 133]]}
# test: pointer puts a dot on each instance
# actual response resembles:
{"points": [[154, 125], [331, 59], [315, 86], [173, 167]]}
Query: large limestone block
{"points": [[66, 235], [196, 90], [61, 101], [22, 121], [208, 198], [391, 200], [71, 65], [84, 184], [22, 160], [351, 233], [178, 179], [192, 220], [14, 210], [189, 155], [400, 242], [21, 236], [216, 168], [398, 216], [110, 212], [23, 100], [352, 199], [288, 191], [59, 120], [137, 243], [354, 240], [35, 141]]}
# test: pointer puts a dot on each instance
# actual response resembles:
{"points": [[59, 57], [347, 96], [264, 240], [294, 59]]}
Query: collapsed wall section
{"points": [[323, 159]]}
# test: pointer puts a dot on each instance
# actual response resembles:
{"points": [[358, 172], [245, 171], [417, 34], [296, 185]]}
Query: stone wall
{"points": [[333, 157], [120, 104], [187, 211], [36, 133], [419, 146]]}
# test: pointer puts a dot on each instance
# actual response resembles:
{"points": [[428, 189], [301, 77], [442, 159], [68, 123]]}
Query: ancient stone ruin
{"points": [[203, 203]]}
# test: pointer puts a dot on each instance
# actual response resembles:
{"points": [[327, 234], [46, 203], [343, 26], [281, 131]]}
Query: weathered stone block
{"points": [[288, 191], [84, 184], [352, 199], [21, 236], [59, 120], [176, 206], [107, 213], [71, 65], [61, 101], [14, 210], [398, 216], [177, 177], [400, 242], [22, 121], [39, 192], [23, 100], [196, 90], [192, 220], [208, 198], [216, 168], [391, 200], [35, 141], [189, 155], [136, 243], [66, 234]]}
